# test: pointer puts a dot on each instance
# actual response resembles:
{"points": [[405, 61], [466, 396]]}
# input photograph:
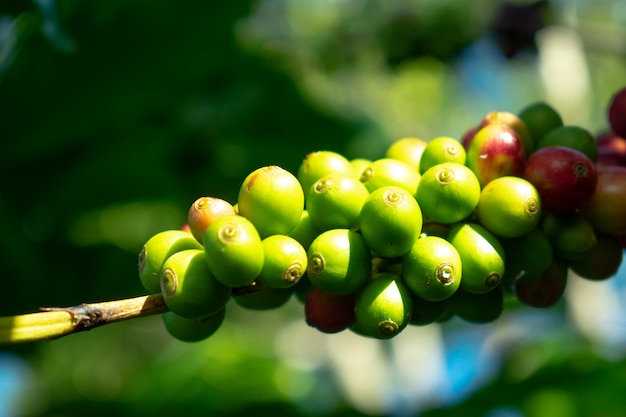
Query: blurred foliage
{"points": [[115, 116]]}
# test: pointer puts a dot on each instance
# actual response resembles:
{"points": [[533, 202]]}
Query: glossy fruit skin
{"points": [[204, 211], [340, 261], [188, 287], [156, 250], [272, 199], [386, 171], [335, 201], [285, 262], [545, 291], [391, 221], [540, 118], [305, 231], [448, 193], [383, 307], [602, 261], [408, 150], [329, 313], [512, 121], [565, 178], [482, 257], [611, 149], [509, 207], [574, 137], [617, 112], [192, 330], [234, 251], [318, 164], [265, 298], [442, 149], [496, 151], [432, 269], [606, 210], [358, 166]]}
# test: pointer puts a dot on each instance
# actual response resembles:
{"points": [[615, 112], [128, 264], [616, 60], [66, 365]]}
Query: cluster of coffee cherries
{"points": [[432, 230]]}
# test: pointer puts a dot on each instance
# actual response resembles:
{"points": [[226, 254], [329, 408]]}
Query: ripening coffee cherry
{"points": [[156, 250], [329, 313], [272, 199], [432, 269], [265, 298], [204, 211], [391, 221], [319, 164], [482, 257], [386, 171], [340, 261], [335, 201], [564, 177], [383, 307], [513, 122], [496, 151], [192, 330], [285, 262], [234, 251], [188, 287]]}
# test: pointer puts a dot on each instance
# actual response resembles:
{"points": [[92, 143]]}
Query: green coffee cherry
{"points": [[386, 171], [359, 165], [285, 262], [482, 257], [432, 269], [265, 298], [156, 250], [319, 164], [339, 261], [440, 150], [448, 192], [234, 252], [335, 201], [391, 221], [383, 307], [192, 330], [272, 199], [305, 231], [188, 287], [407, 149]]}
